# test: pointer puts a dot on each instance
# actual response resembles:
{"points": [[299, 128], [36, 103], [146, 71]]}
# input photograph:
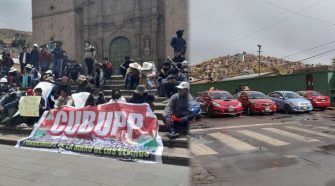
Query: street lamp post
{"points": [[259, 59]]}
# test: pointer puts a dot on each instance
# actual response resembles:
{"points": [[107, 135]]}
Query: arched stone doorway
{"points": [[118, 49]]}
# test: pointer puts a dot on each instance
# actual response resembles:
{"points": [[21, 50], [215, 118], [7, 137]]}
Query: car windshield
{"points": [[221, 95], [291, 95], [315, 94], [257, 95]]}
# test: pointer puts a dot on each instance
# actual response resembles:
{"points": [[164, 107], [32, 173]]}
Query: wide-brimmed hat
{"points": [[147, 65], [29, 66], [3, 80], [48, 72], [140, 89], [82, 78], [12, 69], [135, 66], [183, 85], [180, 31]]}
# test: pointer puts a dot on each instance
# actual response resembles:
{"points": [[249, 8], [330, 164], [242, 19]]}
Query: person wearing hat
{"points": [[3, 86], [8, 107], [125, 65], [179, 46], [73, 70], [83, 84], [148, 75], [24, 59], [173, 80], [35, 57], [176, 113], [132, 75], [163, 73], [13, 76], [140, 95]]}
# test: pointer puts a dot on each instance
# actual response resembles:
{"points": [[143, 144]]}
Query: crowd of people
{"points": [[51, 64]]}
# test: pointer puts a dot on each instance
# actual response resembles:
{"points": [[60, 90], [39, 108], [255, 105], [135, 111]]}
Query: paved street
{"points": [[264, 150], [28, 167]]}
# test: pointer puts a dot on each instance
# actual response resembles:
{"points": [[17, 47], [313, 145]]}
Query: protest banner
{"points": [[119, 130], [46, 88], [79, 99], [30, 106]]}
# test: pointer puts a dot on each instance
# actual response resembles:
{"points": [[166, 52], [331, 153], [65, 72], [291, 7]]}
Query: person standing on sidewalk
{"points": [[89, 56], [176, 113], [35, 57], [24, 59]]}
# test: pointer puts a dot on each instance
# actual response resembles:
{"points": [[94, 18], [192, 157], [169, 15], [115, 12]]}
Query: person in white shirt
{"points": [[116, 97]]}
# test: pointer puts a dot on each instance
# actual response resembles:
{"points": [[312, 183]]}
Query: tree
{"points": [[333, 62]]}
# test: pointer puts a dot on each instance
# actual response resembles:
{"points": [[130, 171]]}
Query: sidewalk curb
{"points": [[169, 156]]}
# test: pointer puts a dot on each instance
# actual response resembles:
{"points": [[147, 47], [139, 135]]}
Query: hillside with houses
{"points": [[224, 67]]}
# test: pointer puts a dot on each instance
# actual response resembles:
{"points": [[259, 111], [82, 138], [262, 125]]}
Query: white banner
{"points": [[79, 99]]}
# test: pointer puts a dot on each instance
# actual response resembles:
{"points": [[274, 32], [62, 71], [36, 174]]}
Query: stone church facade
{"points": [[141, 29]]}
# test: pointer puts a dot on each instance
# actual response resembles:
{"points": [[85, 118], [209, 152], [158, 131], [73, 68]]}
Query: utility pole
{"points": [[259, 59]]}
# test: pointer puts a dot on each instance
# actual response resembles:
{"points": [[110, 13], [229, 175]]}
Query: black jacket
{"points": [[27, 58], [90, 100], [145, 98]]}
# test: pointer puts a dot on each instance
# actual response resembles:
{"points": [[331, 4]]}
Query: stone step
{"points": [[116, 77], [114, 86], [114, 81], [127, 97], [128, 92], [171, 155], [182, 141]]}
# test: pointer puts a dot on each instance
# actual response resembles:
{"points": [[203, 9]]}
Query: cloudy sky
{"points": [[15, 14], [282, 27]]}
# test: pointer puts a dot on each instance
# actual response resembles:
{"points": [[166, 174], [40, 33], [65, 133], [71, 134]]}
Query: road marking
{"points": [[291, 135], [261, 137], [311, 132], [326, 128], [232, 142], [199, 149], [241, 126]]}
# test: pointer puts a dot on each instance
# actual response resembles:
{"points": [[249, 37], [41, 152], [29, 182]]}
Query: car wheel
{"points": [[248, 111], [237, 115], [209, 112], [323, 108], [287, 109]]}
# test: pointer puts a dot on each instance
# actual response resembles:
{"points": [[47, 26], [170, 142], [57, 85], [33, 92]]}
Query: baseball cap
{"points": [[183, 85]]}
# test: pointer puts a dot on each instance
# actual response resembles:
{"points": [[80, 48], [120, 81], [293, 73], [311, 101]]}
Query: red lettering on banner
{"points": [[57, 128], [130, 120]]}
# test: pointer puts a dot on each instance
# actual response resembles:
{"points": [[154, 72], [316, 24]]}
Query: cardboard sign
{"points": [[30, 106]]}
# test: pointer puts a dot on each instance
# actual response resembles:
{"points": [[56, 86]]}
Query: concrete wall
{"points": [[58, 23], [292, 82], [176, 18]]}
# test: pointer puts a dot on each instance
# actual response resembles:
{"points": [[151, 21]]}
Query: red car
{"points": [[318, 101], [219, 102], [256, 102]]}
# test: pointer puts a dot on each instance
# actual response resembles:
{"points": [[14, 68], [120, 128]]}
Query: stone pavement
{"points": [[29, 167]]}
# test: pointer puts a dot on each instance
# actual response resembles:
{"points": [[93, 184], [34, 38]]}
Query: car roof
{"points": [[284, 91], [251, 91]]}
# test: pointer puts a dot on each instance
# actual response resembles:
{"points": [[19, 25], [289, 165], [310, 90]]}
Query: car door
{"points": [[281, 100], [272, 96]]}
